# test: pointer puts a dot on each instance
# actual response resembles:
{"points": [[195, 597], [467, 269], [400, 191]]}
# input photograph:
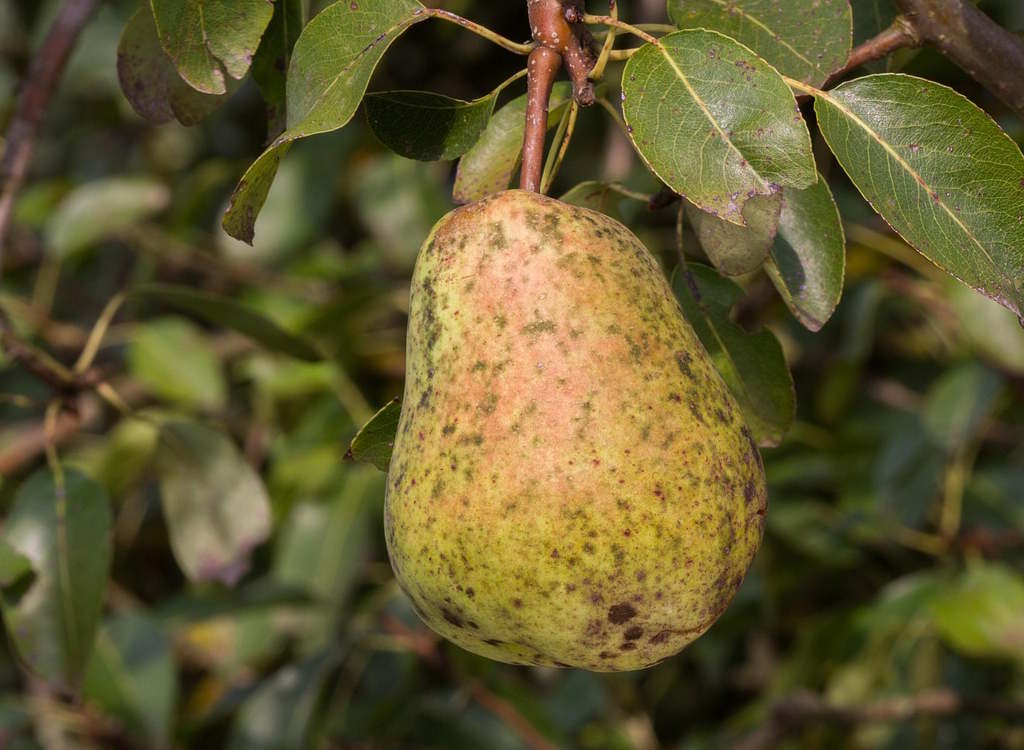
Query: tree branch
{"points": [[40, 82], [990, 54], [797, 711], [559, 34], [898, 36]]}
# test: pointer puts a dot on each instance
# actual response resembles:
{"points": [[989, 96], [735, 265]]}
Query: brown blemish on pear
{"points": [[571, 483]]}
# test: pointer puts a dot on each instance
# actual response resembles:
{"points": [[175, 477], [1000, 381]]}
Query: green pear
{"points": [[572, 483]]}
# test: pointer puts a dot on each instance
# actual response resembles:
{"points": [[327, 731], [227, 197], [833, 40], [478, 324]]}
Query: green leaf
{"points": [[990, 328], [323, 544], [270, 64], [735, 250], [982, 614], [150, 81], [958, 403], [230, 314], [171, 357], [489, 165], [277, 716], [597, 196], [63, 526], [96, 210], [211, 41], [376, 439], [871, 17], [215, 504], [426, 126], [808, 258], [330, 68], [751, 364], [715, 122], [14, 566], [803, 40], [940, 171], [132, 676]]}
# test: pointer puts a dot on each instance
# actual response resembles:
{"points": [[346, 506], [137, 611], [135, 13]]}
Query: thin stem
{"points": [[657, 28], [508, 82], [627, 193], [543, 65], [566, 128], [616, 23], [597, 73], [92, 345], [107, 393], [898, 36], [953, 492], [486, 33], [618, 55], [41, 81], [610, 109], [50, 433]]}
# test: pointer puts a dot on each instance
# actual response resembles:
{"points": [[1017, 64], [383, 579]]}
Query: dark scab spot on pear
{"points": [[451, 617], [683, 360], [494, 642], [633, 633], [605, 655], [470, 592], [628, 646], [517, 603], [620, 613], [750, 492], [660, 637]]}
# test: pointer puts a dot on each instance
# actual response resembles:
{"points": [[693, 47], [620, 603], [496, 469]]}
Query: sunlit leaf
{"points": [[150, 81], [211, 41], [489, 165], [808, 257], [230, 314], [940, 171], [375, 440], [97, 210], [993, 330], [958, 403], [982, 614], [171, 357], [715, 122], [427, 126], [751, 364], [803, 40], [62, 525], [324, 543], [215, 504], [331, 66]]}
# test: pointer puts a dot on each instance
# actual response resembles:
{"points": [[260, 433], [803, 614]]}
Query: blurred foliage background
{"points": [[892, 563]]}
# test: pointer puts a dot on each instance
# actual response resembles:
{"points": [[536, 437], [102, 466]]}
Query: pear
{"points": [[572, 483]]}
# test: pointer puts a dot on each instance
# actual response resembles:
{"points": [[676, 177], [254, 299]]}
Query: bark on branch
{"points": [[990, 54], [557, 28], [43, 75]]}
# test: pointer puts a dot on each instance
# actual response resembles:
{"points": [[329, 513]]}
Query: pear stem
{"points": [[559, 36]]}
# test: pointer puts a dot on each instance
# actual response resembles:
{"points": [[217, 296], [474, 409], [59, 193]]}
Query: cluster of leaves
{"points": [[208, 571], [709, 108]]}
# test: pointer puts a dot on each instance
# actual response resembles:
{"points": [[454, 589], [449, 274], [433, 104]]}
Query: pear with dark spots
{"points": [[572, 483]]}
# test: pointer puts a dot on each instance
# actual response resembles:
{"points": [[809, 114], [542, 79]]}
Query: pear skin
{"points": [[572, 483]]}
